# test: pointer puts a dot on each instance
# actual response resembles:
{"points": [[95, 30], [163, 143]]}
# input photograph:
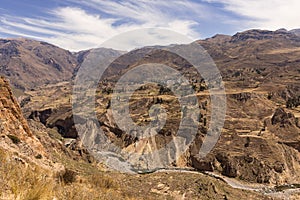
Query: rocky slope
{"points": [[15, 133], [35, 165], [28, 63], [260, 140], [20, 149], [261, 73]]}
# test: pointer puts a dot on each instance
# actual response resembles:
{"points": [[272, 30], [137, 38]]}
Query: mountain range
{"points": [[257, 155]]}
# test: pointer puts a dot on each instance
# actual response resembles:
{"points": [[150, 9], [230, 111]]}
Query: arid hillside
{"points": [[28, 63], [260, 141], [34, 164]]}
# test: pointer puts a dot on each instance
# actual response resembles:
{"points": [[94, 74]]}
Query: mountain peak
{"points": [[257, 34], [296, 31], [30, 63]]}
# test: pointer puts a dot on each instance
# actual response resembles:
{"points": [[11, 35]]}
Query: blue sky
{"points": [[84, 24]]}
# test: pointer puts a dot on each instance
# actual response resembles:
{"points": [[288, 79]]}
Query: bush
{"points": [[69, 176], [14, 139], [39, 156], [293, 102]]}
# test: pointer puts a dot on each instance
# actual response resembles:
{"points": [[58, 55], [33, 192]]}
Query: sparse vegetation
{"points": [[24, 182], [31, 182], [255, 87], [102, 181]]}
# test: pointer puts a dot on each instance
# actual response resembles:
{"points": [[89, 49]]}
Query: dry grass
{"points": [[102, 181], [21, 181]]}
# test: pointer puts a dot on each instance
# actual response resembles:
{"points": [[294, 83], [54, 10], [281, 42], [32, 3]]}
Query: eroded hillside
{"points": [[259, 144], [35, 165]]}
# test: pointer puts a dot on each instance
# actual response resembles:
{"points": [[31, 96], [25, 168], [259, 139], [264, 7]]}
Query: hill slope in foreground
{"points": [[258, 148]]}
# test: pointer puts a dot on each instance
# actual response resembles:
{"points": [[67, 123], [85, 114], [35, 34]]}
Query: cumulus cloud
{"points": [[267, 14]]}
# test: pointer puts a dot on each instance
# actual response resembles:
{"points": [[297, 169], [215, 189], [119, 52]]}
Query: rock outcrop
{"points": [[283, 118], [15, 133]]}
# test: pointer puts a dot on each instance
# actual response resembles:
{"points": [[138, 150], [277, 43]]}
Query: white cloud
{"points": [[146, 37], [75, 29], [19, 34], [153, 11], [267, 14], [78, 27], [29, 27]]}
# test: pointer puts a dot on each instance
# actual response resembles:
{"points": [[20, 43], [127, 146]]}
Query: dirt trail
{"points": [[267, 190]]}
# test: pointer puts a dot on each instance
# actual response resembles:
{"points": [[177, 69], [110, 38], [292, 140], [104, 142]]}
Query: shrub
{"points": [[69, 176], [293, 102], [14, 139], [39, 156]]}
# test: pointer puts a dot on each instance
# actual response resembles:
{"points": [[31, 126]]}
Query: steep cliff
{"points": [[15, 133]]}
